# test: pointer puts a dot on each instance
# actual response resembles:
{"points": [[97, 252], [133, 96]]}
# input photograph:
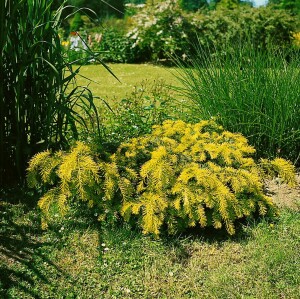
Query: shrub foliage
{"points": [[190, 174], [165, 29], [179, 176], [66, 176]]}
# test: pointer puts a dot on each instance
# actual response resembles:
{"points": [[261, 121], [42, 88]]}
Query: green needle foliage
{"points": [[252, 92], [38, 106]]}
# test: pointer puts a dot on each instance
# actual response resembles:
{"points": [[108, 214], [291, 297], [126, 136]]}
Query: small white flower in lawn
{"points": [[103, 244], [127, 291], [106, 249], [171, 274]]}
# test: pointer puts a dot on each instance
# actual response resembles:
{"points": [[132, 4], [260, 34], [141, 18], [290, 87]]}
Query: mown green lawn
{"points": [[79, 259], [129, 75]]}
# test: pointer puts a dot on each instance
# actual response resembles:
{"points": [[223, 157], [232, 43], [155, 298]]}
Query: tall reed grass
{"points": [[249, 91], [39, 108]]}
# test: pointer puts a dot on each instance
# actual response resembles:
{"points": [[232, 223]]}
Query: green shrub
{"points": [[77, 175], [114, 46], [179, 176], [110, 8], [77, 22], [263, 27], [149, 104], [164, 29], [160, 31], [193, 5], [251, 92]]}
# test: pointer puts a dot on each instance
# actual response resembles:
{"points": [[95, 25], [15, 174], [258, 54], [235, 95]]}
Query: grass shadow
{"points": [[22, 263], [180, 243]]}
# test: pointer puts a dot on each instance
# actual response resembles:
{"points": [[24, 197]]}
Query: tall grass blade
{"points": [[256, 93], [38, 108]]}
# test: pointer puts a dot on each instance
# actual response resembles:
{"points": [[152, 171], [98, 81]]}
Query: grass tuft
{"points": [[249, 91]]}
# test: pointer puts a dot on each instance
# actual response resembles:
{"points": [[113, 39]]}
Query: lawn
{"points": [[129, 75], [120, 208], [80, 259]]}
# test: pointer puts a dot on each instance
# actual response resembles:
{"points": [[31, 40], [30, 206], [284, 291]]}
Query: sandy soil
{"points": [[283, 195]]}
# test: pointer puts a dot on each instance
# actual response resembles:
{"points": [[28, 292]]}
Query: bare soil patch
{"points": [[283, 195]]}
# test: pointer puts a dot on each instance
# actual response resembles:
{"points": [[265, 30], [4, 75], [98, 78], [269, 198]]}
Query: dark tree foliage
{"points": [[135, 1], [193, 5], [103, 8], [77, 22], [291, 5]]}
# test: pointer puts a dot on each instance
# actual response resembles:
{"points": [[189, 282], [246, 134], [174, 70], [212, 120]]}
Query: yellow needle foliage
{"points": [[181, 175], [67, 176], [195, 174]]}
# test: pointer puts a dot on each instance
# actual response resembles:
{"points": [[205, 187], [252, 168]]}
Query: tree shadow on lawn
{"points": [[20, 247]]}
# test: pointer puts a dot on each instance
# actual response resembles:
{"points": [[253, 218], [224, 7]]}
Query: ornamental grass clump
{"points": [[194, 174], [253, 92], [181, 175]]}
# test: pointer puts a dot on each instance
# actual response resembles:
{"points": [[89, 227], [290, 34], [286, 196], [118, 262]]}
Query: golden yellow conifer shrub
{"points": [[194, 174], [179, 176], [67, 176]]}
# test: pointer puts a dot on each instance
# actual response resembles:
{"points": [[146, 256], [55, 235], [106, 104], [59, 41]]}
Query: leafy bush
{"points": [[178, 176], [263, 27], [163, 30], [114, 46], [251, 92], [77, 22], [193, 5]]}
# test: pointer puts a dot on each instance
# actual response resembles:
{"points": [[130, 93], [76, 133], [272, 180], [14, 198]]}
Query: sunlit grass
{"points": [[130, 76], [84, 260], [251, 92]]}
